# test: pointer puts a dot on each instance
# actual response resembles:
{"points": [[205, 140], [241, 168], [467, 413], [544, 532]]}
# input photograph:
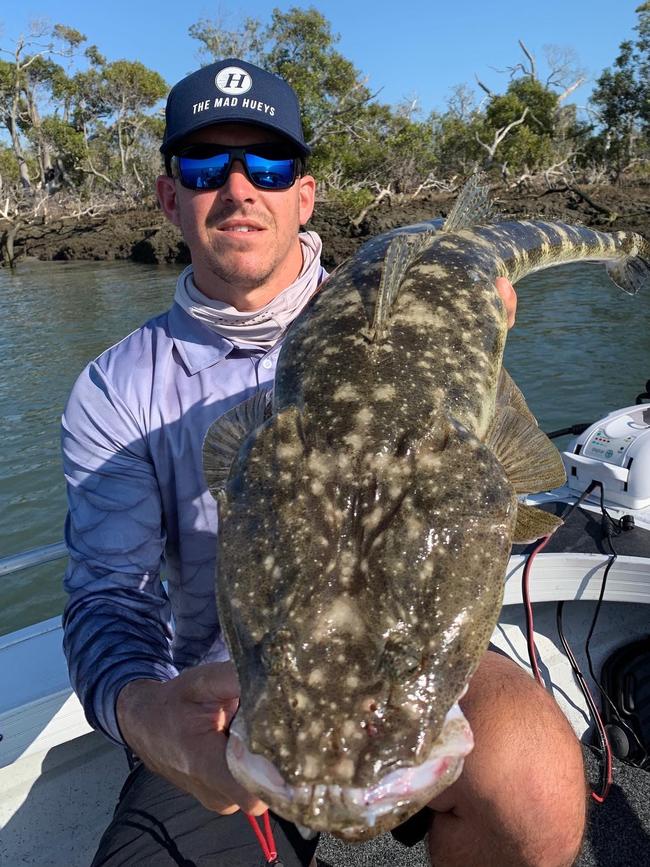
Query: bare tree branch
{"points": [[531, 59], [483, 86], [569, 90], [381, 194], [500, 134]]}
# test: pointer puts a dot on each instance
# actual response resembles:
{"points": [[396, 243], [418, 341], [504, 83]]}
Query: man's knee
{"points": [[522, 793]]}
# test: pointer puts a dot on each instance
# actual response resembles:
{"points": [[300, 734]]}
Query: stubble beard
{"points": [[247, 272], [227, 273], [235, 277]]}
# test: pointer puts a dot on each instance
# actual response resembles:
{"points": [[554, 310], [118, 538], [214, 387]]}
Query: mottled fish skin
{"points": [[365, 529]]}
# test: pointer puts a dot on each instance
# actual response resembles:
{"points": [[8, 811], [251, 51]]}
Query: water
{"points": [[57, 316], [580, 349]]}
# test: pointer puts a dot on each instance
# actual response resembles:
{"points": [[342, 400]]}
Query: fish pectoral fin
{"points": [[529, 458], [401, 253], [472, 207], [533, 523], [508, 394], [226, 435]]}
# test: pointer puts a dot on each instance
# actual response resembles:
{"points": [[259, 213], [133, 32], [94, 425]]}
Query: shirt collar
{"points": [[198, 346]]}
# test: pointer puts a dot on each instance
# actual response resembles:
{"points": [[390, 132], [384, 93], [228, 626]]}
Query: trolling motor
{"points": [[616, 452]]}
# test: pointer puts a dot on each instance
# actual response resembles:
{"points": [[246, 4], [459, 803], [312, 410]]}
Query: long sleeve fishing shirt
{"points": [[132, 438]]}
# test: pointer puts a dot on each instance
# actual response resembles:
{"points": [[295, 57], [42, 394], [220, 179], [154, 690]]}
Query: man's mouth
{"points": [[240, 227]]}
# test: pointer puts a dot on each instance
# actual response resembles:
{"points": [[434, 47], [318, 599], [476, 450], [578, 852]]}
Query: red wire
{"points": [[266, 840], [530, 635]]}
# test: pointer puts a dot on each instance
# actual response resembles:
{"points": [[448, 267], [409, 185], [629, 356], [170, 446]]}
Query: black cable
{"points": [[583, 496], [574, 430], [607, 532], [525, 590], [610, 527], [606, 776], [606, 773]]}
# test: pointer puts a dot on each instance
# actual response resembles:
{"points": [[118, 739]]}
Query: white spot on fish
{"points": [[316, 677], [346, 392], [310, 767], [385, 392]]}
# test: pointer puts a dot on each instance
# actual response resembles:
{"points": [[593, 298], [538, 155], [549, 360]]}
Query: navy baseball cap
{"points": [[232, 91]]}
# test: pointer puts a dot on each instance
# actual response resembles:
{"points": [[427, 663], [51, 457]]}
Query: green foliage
{"points": [[7, 82], [9, 173], [100, 126], [67, 142], [95, 57], [622, 98], [302, 52], [529, 144], [298, 44], [455, 146], [351, 200], [130, 86], [70, 37], [246, 42]]}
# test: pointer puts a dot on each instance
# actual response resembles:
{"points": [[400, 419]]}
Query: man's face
{"points": [[243, 268]]}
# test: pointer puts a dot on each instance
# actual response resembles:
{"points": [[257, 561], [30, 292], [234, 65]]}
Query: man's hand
{"points": [[179, 730], [509, 298]]}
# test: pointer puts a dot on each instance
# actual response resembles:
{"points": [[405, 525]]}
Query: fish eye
{"points": [[400, 658], [277, 651]]}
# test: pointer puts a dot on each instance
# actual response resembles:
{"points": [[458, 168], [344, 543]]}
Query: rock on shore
{"points": [[143, 235]]}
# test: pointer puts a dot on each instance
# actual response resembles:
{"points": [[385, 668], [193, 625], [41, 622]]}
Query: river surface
{"points": [[580, 349]]}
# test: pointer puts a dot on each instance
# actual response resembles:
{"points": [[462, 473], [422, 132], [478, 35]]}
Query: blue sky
{"points": [[406, 48]]}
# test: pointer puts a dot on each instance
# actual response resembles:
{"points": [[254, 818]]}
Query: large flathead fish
{"points": [[367, 512]]}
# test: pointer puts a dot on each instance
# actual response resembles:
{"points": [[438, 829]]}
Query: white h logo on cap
{"points": [[233, 80]]}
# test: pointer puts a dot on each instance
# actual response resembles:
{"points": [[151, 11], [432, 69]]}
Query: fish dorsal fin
{"points": [[226, 435], [401, 253], [531, 461], [472, 207], [533, 523]]}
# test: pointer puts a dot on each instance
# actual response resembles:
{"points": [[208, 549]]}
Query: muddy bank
{"points": [[143, 235]]}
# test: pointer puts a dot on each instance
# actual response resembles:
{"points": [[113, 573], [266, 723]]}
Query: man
{"points": [[150, 666]]}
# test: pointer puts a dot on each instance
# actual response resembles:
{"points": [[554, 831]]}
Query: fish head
{"points": [[358, 595]]}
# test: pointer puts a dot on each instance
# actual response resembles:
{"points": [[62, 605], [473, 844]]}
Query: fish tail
{"points": [[531, 246], [630, 272]]}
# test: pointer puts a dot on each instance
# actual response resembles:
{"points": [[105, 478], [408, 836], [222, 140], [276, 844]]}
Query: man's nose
{"points": [[237, 186]]}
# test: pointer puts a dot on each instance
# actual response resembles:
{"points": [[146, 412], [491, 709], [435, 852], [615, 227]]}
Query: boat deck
{"points": [[58, 821]]}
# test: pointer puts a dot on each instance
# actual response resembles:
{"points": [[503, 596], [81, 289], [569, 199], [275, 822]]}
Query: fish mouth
{"points": [[352, 812]]}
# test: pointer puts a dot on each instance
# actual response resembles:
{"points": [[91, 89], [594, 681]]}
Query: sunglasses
{"points": [[207, 166]]}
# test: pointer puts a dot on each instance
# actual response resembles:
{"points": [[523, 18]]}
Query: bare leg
{"points": [[521, 799]]}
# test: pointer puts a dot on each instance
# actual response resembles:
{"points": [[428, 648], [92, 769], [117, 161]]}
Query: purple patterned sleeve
{"points": [[118, 618], [132, 442]]}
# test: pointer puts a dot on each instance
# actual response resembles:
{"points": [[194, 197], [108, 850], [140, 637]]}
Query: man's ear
{"points": [[307, 197], [166, 191]]}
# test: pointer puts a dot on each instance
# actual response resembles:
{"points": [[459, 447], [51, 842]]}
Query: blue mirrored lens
{"points": [[270, 174], [204, 174], [209, 172]]}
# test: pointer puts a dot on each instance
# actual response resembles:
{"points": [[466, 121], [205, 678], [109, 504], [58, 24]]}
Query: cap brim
{"points": [[168, 145]]}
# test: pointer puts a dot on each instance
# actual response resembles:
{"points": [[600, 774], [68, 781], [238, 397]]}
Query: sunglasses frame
{"points": [[234, 153]]}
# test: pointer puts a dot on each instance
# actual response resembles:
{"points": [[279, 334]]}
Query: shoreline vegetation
{"points": [[79, 138], [142, 234]]}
